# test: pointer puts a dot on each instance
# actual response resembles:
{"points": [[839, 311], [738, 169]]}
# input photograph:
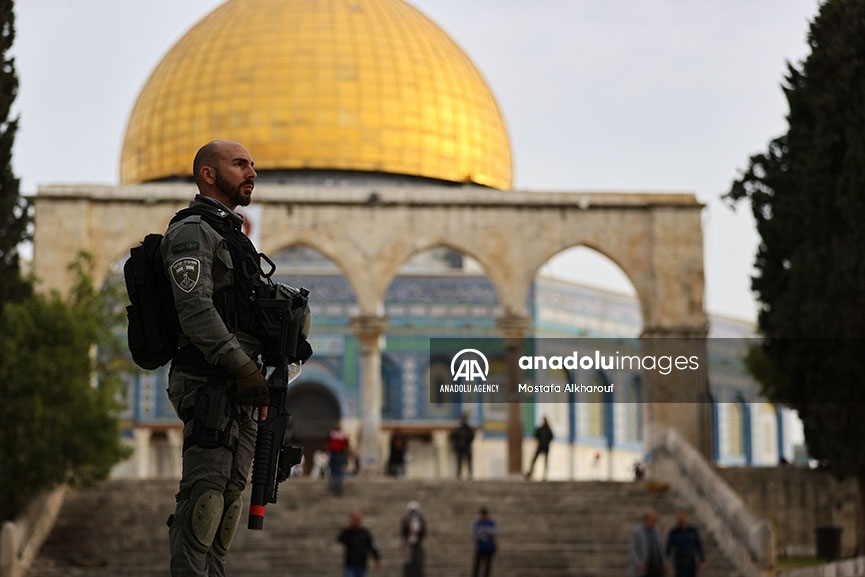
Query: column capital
{"points": [[683, 332], [368, 326], [513, 326]]}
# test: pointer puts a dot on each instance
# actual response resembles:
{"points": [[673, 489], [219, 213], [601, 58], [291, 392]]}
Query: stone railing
{"points": [[854, 567], [20, 540], [747, 541]]}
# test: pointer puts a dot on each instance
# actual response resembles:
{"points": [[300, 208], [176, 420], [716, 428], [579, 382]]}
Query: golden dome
{"points": [[360, 85]]}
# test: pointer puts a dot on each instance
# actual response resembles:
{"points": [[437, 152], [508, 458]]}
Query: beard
{"points": [[232, 192]]}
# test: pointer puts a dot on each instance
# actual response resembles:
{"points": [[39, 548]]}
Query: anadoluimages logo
{"points": [[470, 368]]}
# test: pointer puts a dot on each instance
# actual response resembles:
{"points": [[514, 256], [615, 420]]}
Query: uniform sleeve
{"points": [[194, 254]]}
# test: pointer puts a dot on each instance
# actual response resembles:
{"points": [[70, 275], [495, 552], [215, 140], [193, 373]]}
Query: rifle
{"points": [[286, 320]]}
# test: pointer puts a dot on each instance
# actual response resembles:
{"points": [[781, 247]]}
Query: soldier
{"points": [[215, 382]]}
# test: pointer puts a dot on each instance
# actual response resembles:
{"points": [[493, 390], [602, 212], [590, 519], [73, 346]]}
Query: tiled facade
{"points": [[601, 438]]}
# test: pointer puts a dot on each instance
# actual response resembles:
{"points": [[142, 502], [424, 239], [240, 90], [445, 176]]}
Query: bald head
{"points": [[209, 155], [223, 169]]}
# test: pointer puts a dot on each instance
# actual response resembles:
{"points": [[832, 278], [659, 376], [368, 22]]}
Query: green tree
{"points": [[15, 211], [807, 194], [58, 414]]}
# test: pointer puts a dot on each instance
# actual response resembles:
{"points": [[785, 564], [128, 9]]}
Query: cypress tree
{"points": [[15, 210], [807, 194]]}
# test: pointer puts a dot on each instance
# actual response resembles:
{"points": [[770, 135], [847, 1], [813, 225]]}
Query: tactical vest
{"points": [[236, 303]]}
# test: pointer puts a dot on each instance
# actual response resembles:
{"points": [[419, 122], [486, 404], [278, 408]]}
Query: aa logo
{"points": [[469, 367]]}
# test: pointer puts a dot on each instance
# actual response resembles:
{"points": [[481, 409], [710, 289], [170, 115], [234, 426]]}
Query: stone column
{"points": [[175, 444], [369, 330], [680, 399], [142, 437], [514, 329], [442, 453]]}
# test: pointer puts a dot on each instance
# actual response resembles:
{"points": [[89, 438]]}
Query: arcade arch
{"points": [[370, 231], [315, 411], [436, 292], [567, 307], [572, 278]]}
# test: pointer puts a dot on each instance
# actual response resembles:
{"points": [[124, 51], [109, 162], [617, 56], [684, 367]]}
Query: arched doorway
{"points": [[315, 411]]}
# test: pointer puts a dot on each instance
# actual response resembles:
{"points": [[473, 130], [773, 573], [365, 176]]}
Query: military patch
{"points": [[185, 273], [184, 247]]}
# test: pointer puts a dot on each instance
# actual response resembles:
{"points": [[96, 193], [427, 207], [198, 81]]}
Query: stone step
{"points": [[551, 529]]}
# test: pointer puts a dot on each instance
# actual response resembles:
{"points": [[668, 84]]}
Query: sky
{"points": [[597, 95]]}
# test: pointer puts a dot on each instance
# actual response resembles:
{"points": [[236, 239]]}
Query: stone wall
{"points": [[797, 501]]}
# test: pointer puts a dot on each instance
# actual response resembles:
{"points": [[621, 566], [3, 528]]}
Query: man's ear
{"points": [[208, 174]]}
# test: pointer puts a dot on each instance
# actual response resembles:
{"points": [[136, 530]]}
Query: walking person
{"points": [[646, 556], [685, 547], [359, 546], [461, 439], [396, 458], [413, 530], [337, 450], [544, 436], [484, 533]]}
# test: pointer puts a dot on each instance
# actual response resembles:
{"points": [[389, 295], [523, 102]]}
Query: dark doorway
{"points": [[315, 411]]}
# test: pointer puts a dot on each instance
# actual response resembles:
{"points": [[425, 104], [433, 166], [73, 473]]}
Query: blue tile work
{"points": [[423, 306]]}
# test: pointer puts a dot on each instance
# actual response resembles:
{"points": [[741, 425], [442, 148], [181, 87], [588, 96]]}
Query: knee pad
{"points": [[229, 522], [203, 514]]}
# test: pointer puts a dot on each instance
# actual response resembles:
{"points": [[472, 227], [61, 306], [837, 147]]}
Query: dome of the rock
{"points": [[345, 85]]}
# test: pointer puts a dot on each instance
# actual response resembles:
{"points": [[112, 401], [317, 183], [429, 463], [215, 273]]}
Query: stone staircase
{"points": [[546, 529]]}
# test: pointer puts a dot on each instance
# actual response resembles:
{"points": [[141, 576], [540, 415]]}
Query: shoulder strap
{"points": [[222, 225]]}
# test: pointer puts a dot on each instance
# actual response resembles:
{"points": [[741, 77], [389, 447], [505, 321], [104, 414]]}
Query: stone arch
{"points": [[308, 245], [368, 230], [656, 239], [612, 260], [578, 310], [592, 247], [318, 275], [449, 278]]}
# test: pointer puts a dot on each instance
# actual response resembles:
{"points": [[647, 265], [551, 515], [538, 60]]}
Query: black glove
{"points": [[251, 386]]}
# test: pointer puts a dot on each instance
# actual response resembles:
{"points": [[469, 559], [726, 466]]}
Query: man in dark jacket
{"points": [[359, 545], [685, 547], [544, 436], [461, 439]]}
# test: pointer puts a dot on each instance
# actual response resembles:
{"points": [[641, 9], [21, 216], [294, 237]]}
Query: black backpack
{"points": [[153, 324]]}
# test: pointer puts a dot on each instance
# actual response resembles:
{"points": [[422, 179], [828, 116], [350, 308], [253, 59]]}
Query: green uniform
{"points": [[218, 450]]}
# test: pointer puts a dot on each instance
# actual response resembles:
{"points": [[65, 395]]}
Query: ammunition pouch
{"points": [[209, 421]]}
